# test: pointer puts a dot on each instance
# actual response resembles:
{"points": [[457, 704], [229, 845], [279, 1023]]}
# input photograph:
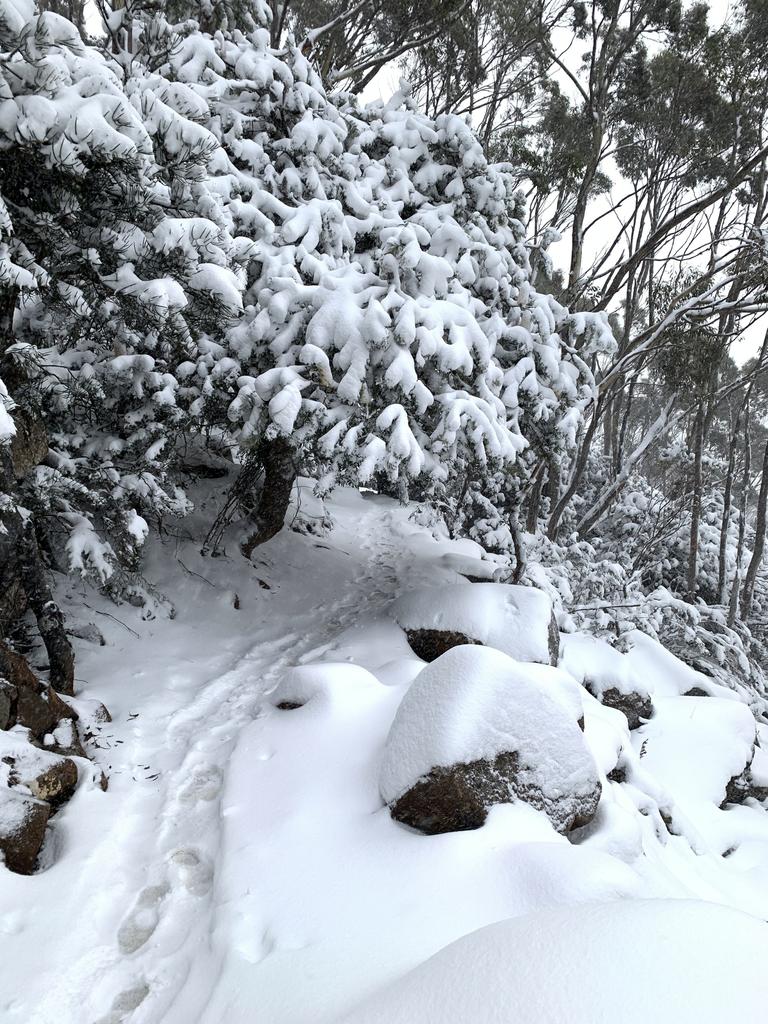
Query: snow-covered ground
{"points": [[242, 866]]}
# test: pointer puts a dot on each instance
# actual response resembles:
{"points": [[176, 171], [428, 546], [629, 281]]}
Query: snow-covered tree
{"points": [[389, 326]]}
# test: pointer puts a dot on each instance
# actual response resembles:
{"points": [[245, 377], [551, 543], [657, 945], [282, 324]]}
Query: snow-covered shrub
{"points": [[106, 287], [389, 327]]}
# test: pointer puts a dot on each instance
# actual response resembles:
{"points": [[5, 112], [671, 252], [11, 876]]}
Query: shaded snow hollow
{"points": [[243, 865]]}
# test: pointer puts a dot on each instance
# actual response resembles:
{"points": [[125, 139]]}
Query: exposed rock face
{"points": [[22, 830], [429, 644], [636, 707], [458, 798], [35, 713], [36, 779], [738, 788], [15, 669], [8, 696]]}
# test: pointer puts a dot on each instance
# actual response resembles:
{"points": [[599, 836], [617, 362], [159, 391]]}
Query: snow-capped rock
{"points": [[476, 729], [515, 620]]}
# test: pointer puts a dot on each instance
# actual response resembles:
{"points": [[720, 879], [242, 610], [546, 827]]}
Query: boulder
{"points": [[35, 713], [22, 830], [8, 696], [700, 749], [629, 961], [636, 707], [429, 644], [67, 740], [59, 707], [476, 729], [56, 784], [518, 621], [15, 669]]}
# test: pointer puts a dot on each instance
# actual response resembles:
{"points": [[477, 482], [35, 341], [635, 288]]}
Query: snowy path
{"points": [[241, 868], [138, 907]]}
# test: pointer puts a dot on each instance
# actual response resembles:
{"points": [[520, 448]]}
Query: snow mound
{"points": [[475, 704], [598, 666], [694, 746], [668, 961], [322, 685], [515, 620]]}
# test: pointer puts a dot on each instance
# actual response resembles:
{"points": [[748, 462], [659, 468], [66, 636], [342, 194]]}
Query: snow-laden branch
{"points": [[662, 423]]}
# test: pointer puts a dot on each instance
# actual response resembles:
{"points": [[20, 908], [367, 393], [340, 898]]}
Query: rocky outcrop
{"points": [[37, 774]]}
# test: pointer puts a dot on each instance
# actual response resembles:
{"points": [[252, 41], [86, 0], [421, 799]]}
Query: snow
{"points": [[662, 960], [514, 620], [243, 861], [474, 703], [591, 660]]}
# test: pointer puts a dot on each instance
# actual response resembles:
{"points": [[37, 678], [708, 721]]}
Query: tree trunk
{"points": [[726, 520], [279, 477], [757, 552], [657, 428], [23, 576], [693, 546], [581, 464], [736, 585], [534, 502]]}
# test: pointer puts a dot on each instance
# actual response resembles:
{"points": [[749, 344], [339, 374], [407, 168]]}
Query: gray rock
{"points": [[429, 644], [22, 830], [458, 798], [636, 707], [8, 696]]}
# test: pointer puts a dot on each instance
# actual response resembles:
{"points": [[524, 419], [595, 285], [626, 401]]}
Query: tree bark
{"points": [[23, 576], [279, 477], [726, 520], [736, 586], [748, 591], [693, 545], [609, 493], [581, 464]]}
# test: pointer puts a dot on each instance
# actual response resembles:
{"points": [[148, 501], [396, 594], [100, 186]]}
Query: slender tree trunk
{"points": [[556, 513], [750, 578], [693, 545], [733, 607], [279, 477], [534, 502], [519, 547], [726, 520], [608, 494]]}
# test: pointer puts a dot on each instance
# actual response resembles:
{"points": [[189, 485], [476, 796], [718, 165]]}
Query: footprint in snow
{"points": [[141, 922], [191, 871], [203, 784], [125, 1003]]}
